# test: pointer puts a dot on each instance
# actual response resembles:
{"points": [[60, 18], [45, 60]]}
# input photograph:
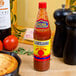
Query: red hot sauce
{"points": [[42, 35]]}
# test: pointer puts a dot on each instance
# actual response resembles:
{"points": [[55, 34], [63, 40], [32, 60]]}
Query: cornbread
{"points": [[8, 64]]}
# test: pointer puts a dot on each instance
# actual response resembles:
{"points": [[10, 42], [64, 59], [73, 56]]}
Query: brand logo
{"points": [[42, 24], [1, 3], [41, 43]]}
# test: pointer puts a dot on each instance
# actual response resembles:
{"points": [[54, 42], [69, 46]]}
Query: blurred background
{"points": [[27, 11]]}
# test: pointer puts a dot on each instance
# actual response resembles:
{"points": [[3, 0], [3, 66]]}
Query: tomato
{"points": [[1, 45], [10, 42]]}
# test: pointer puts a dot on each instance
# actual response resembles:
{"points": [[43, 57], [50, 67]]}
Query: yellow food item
{"points": [[8, 64]]}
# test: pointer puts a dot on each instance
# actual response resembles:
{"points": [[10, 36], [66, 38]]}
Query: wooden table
{"points": [[57, 66]]}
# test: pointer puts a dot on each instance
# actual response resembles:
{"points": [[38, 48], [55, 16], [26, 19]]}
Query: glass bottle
{"points": [[42, 35], [5, 21]]}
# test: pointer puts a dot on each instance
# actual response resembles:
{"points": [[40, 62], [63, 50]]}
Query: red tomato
{"points": [[1, 45], [10, 42]]}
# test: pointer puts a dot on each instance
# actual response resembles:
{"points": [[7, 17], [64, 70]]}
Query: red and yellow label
{"points": [[42, 50], [42, 24]]}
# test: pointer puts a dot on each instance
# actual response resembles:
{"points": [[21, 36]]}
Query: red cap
{"points": [[42, 4]]}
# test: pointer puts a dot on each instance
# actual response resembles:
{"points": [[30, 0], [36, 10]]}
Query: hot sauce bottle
{"points": [[42, 35]]}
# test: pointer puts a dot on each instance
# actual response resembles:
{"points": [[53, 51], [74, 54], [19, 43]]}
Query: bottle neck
{"points": [[42, 14], [42, 9]]}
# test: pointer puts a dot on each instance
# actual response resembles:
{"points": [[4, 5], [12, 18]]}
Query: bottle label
{"points": [[42, 24], [5, 21], [42, 50]]}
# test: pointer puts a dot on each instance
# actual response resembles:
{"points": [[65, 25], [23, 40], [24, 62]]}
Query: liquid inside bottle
{"points": [[42, 35]]}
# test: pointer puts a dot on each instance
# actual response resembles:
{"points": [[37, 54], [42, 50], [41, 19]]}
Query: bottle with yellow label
{"points": [[42, 35]]}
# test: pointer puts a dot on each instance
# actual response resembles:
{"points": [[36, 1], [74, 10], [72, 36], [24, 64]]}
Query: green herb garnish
{"points": [[22, 51]]}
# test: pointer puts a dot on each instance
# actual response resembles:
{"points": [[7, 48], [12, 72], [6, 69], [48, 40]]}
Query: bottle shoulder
{"points": [[42, 29]]}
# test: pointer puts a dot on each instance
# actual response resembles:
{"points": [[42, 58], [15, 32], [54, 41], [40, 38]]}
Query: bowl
{"points": [[15, 72]]}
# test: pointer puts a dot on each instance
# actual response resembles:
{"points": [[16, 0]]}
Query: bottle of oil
{"points": [[5, 21]]}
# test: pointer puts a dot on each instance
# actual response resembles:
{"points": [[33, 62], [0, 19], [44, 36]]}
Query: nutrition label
{"points": [[5, 21]]}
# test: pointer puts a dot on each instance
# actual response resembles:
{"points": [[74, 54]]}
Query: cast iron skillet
{"points": [[16, 72]]}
